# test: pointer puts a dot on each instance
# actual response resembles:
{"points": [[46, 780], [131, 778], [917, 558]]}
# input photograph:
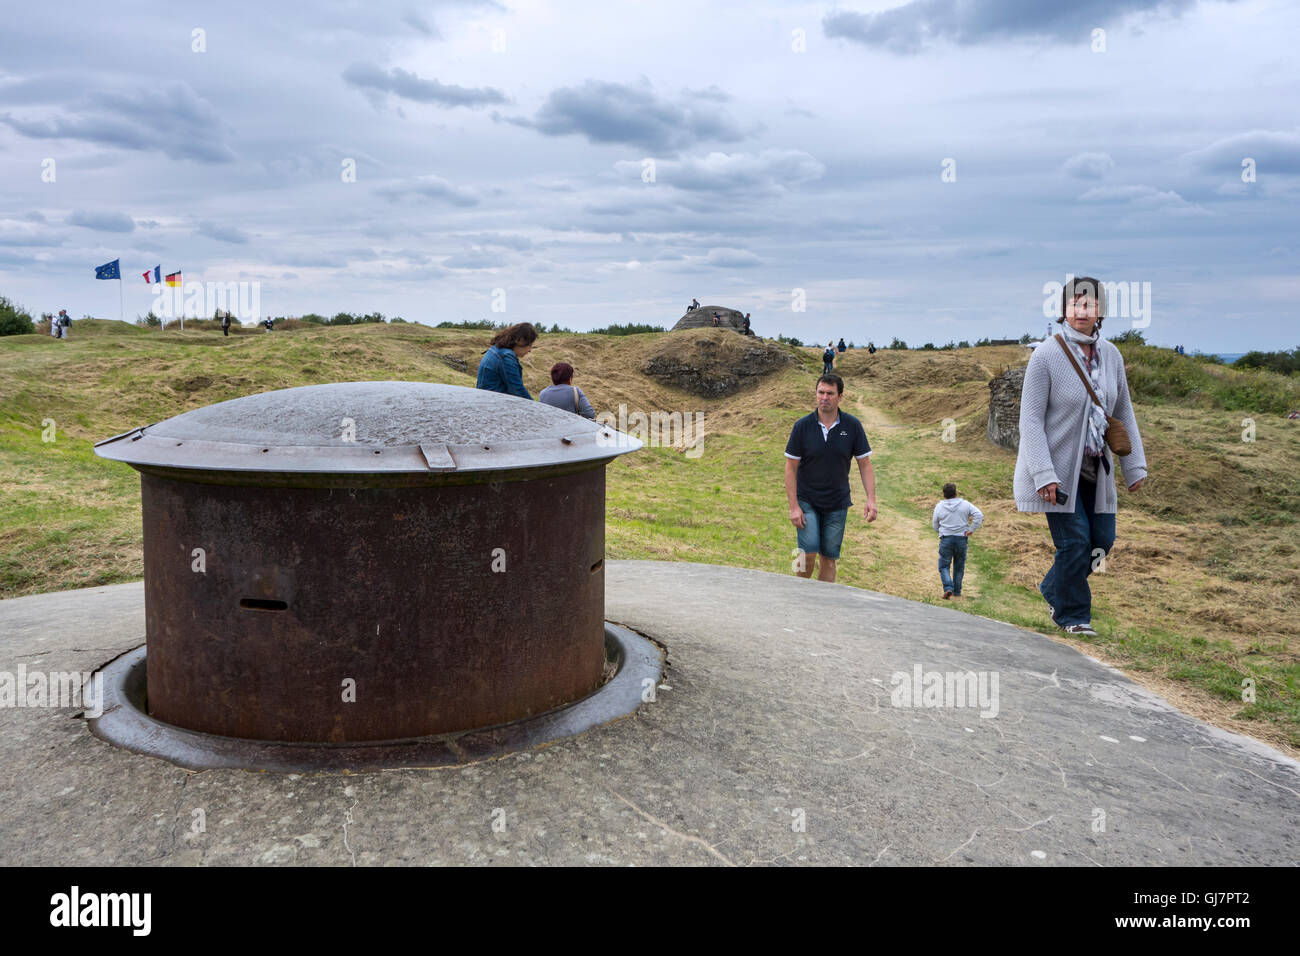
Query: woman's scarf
{"points": [[1096, 439]]}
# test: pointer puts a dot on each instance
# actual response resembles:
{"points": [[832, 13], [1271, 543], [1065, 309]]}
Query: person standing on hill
{"points": [[65, 323], [225, 325], [500, 369], [871, 348], [817, 460], [1064, 465], [841, 347], [828, 359], [956, 519]]}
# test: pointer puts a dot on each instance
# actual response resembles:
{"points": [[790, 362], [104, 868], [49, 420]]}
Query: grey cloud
{"points": [[430, 187], [633, 115], [768, 171], [34, 216], [1089, 165], [475, 260], [711, 92], [102, 221], [408, 86], [518, 243], [223, 233], [173, 120], [911, 27], [723, 258], [14, 232], [309, 261], [1141, 197], [1275, 151], [420, 25]]}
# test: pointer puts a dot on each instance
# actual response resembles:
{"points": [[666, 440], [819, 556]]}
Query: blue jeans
{"points": [[1080, 538], [822, 532], [952, 551]]}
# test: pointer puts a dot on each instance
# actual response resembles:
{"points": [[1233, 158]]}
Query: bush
{"points": [[483, 324], [148, 321], [1160, 375], [963, 344], [928, 347], [313, 318], [983, 341], [398, 320], [1284, 363], [630, 328], [1129, 337], [790, 340], [900, 344], [14, 319]]}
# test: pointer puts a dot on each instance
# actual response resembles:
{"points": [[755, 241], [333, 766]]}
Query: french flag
{"points": [[153, 275]]}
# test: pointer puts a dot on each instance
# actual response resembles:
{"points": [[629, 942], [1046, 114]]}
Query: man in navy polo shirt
{"points": [[817, 460]]}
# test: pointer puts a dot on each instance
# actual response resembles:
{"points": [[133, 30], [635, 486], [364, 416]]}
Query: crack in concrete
{"points": [[713, 851], [347, 819]]}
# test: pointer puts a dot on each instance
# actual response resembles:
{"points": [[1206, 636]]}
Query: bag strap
{"points": [[575, 397], [1083, 378]]}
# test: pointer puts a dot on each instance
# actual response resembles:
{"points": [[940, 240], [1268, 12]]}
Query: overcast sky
{"points": [[919, 169]]}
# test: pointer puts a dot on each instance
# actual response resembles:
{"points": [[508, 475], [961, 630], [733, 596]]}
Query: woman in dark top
{"points": [[499, 370]]}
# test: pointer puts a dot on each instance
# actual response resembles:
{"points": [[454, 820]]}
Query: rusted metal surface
{"points": [[126, 724], [435, 569], [374, 428]]}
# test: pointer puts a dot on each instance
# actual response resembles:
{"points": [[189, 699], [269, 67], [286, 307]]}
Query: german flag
{"points": [[174, 279]]}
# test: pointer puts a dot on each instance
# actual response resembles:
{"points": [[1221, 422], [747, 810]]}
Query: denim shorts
{"points": [[822, 532]]}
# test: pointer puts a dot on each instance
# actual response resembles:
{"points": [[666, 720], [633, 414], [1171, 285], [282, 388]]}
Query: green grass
{"points": [[71, 519]]}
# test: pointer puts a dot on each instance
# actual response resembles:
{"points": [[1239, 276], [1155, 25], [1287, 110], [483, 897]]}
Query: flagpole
{"points": [[121, 315]]}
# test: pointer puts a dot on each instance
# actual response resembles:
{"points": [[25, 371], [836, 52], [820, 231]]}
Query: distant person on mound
{"points": [[269, 324], [716, 319], [65, 323], [695, 304], [1064, 467], [841, 347], [500, 369], [871, 348], [956, 519], [1294, 415], [54, 326], [746, 323], [225, 324], [564, 394], [817, 460], [828, 359]]}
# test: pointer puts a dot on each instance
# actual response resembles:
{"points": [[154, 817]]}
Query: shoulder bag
{"points": [[1116, 436]]}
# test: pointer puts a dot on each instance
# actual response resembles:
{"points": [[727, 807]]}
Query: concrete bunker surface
{"points": [[126, 722], [774, 737]]}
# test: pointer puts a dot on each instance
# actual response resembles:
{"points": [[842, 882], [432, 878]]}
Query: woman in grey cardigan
{"points": [[1064, 468]]}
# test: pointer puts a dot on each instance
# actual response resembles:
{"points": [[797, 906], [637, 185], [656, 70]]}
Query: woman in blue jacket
{"points": [[499, 370]]}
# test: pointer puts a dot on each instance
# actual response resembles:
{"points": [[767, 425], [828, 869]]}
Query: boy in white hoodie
{"points": [[956, 519]]}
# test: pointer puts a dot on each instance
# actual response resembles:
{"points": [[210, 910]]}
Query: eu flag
{"points": [[109, 270]]}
